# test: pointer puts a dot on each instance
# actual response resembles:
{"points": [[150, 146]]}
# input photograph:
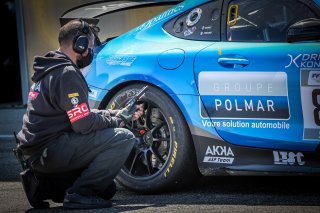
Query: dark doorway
{"points": [[10, 79]]}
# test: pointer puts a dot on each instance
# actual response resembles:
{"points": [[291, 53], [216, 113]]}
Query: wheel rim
{"points": [[150, 153]]}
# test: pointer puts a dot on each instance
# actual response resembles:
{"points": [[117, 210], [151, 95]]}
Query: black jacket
{"points": [[58, 103]]}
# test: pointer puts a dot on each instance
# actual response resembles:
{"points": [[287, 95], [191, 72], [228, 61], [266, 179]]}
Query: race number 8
{"points": [[315, 101]]}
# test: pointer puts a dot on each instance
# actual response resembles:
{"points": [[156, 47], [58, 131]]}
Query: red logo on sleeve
{"points": [[33, 95], [79, 112]]}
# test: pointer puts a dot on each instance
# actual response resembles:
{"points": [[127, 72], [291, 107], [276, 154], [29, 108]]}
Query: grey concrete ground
{"points": [[209, 194]]}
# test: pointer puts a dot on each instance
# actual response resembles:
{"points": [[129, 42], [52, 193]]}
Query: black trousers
{"points": [[84, 164]]}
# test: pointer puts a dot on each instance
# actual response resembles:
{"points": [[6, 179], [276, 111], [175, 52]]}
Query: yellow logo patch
{"points": [[71, 95]]}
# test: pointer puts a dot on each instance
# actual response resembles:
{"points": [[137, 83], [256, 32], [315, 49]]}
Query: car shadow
{"points": [[226, 190]]}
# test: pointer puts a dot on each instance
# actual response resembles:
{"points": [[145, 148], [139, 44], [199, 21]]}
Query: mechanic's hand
{"points": [[138, 113]]}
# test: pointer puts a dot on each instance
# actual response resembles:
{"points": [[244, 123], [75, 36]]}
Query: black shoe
{"points": [[109, 192], [77, 201]]}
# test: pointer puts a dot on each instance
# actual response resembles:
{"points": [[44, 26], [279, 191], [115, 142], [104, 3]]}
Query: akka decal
{"points": [[219, 154], [288, 158], [78, 112], [245, 95]]}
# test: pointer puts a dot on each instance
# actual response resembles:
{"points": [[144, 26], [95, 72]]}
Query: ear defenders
{"points": [[81, 42]]}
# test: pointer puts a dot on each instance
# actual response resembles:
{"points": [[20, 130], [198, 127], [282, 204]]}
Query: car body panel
{"points": [[267, 128], [262, 103]]}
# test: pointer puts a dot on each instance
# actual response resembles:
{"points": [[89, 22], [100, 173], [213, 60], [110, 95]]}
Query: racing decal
{"points": [[304, 61], [309, 65], [173, 159], [310, 100], [160, 17], [122, 60], [71, 95], [206, 30], [189, 31], [219, 154], [288, 158], [243, 124], [78, 112], [245, 95]]}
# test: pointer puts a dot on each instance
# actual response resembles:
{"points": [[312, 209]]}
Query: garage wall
{"points": [[41, 25]]}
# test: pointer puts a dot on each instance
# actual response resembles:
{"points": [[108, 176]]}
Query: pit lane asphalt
{"points": [[209, 194]]}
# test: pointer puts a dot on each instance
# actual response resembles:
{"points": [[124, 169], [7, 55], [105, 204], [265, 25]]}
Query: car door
{"points": [[256, 88]]}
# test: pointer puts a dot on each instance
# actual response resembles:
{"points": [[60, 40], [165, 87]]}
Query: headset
{"points": [[81, 42]]}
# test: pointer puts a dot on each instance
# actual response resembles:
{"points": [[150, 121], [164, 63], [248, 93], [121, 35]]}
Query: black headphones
{"points": [[81, 42]]}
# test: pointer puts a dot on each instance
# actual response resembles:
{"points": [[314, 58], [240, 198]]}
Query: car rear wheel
{"points": [[163, 159]]}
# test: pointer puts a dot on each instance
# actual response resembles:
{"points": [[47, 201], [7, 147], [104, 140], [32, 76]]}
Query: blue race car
{"points": [[233, 88]]}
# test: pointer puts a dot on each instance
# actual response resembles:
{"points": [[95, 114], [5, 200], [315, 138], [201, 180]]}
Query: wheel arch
{"points": [[120, 86]]}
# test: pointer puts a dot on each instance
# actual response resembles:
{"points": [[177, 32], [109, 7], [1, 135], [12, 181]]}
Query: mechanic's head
{"points": [[76, 39]]}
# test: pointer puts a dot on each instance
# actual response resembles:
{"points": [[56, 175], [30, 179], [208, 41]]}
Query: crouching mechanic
{"points": [[74, 152]]}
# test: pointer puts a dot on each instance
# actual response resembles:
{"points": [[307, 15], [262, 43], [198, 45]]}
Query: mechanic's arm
{"points": [[74, 100]]}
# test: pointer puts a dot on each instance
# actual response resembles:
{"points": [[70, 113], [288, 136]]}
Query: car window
{"points": [[264, 20], [200, 23]]}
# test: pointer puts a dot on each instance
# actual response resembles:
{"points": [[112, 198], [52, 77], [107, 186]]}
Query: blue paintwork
{"points": [[149, 54], [171, 59]]}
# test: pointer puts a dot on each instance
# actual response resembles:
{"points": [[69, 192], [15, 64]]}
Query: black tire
{"points": [[166, 161]]}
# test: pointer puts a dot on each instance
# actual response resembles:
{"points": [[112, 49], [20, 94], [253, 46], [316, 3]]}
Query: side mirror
{"points": [[304, 30]]}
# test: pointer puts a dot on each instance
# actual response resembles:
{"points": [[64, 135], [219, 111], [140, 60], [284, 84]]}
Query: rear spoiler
{"points": [[91, 12]]}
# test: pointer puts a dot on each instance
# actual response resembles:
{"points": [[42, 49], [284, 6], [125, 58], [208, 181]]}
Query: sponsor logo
{"points": [[71, 95], [314, 78], [160, 17], [219, 154], [121, 60], [33, 95], [74, 100], [304, 61], [78, 112], [288, 158], [257, 95], [190, 31]]}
